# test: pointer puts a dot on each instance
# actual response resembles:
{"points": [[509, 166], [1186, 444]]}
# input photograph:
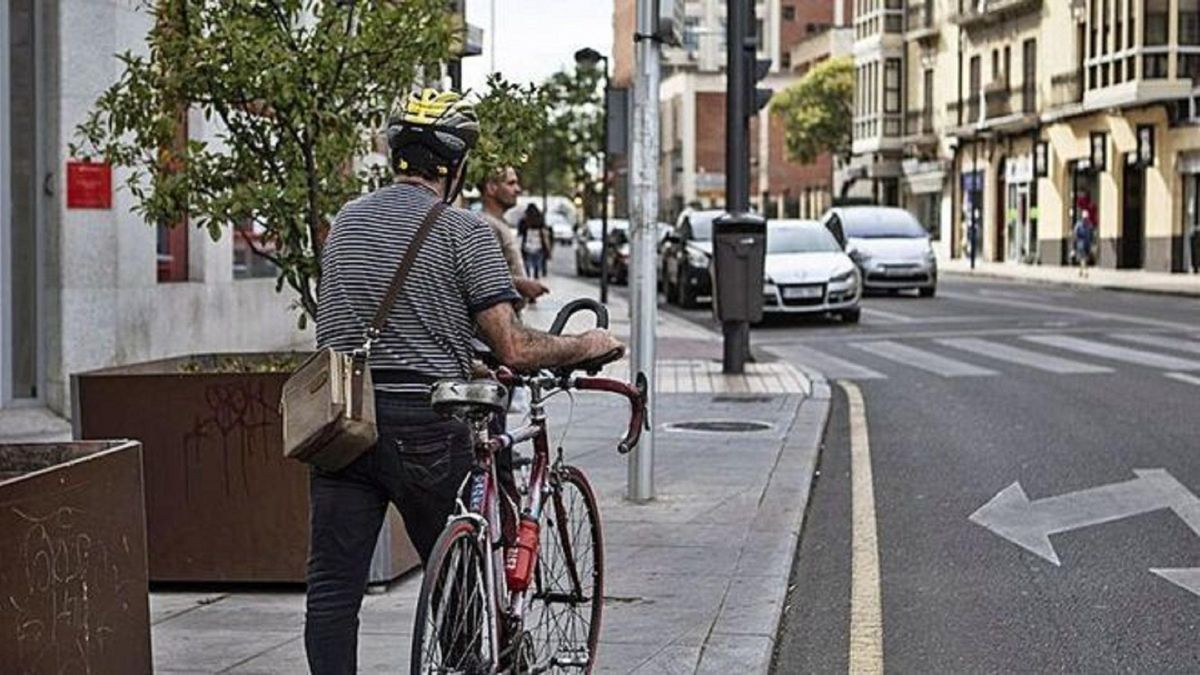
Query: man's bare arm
{"points": [[524, 348]]}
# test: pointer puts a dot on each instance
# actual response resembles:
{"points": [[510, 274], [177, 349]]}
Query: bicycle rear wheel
{"points": [[453, 631], [563, 623]]}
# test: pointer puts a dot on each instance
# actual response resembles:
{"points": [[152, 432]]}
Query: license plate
{"points": [[899, 271], [797, 292]]}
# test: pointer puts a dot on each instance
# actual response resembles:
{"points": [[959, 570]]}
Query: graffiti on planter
{"points": [[68, 579], [237, 423]]}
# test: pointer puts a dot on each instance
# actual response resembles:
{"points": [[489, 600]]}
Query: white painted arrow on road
{"points": [[1029, 524]]}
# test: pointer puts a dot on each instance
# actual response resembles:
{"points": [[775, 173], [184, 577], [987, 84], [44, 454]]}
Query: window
{"points": [[1189, 68], [1189, 22], [973, 90], [785, 60], [927, 110], [1157, 20], [691, 39], [891, 86], [789, 13], [247, 264], [1154, 66], [1029, 76], [172, 243], [1104, 19], [1007, 67], [1117, 33]]}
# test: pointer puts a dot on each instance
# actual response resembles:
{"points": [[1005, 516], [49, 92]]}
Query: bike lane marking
{"points": [[866, 607]]}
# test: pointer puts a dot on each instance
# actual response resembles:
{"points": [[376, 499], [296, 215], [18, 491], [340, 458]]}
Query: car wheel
{"points": [[852, 315], [928, 292], [684, 297]]}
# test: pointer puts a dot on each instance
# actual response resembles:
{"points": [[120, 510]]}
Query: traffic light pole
{"points": [[737, 155], [643, 174]]}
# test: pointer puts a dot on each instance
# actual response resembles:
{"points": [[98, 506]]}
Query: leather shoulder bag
{"points": [[328, 403]]}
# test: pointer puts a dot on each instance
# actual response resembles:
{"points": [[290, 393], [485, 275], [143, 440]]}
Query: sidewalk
{"points": [[1121, 280], [694, 581]]}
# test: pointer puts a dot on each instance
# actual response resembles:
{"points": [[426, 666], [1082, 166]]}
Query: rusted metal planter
{"points": [[222, 503], [73, 559]]}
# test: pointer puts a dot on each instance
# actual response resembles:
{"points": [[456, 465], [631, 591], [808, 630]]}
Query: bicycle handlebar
{"points": [[637, 404], [575, 306]]}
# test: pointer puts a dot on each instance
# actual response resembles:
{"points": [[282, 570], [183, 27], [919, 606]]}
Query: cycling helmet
{"points": [[432, 136]]}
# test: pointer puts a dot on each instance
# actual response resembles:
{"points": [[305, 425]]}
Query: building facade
{"points": [[84, 288], [1000, 123], [692, 96]]}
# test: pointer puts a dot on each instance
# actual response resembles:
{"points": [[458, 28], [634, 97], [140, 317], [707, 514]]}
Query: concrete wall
{"points": [[111, 308]]}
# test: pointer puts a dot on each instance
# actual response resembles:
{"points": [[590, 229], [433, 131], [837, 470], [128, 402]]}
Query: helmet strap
{"points": [[455, 181]]}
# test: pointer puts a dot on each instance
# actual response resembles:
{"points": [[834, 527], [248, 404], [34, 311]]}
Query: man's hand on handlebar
{"points": [[600, 344]]}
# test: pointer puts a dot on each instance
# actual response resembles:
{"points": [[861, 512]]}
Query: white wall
{"points": [[113, 310]]}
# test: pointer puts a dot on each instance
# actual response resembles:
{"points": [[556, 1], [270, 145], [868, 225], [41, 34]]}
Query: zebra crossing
{"points": [[1175, 356]]}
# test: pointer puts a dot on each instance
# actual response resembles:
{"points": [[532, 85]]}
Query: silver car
{"points": [[891, 249]]}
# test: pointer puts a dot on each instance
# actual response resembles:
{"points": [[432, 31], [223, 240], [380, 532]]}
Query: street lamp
{"points": [[590, 58]]}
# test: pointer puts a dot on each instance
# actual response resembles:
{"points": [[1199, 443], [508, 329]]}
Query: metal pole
{"points": [[736, 334], [492, 30], [643, 175], [604, 197]]}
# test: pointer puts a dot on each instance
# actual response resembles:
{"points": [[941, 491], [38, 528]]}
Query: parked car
{"points": [[808, 272], [561, 228], [620, 244], [587, 244], [685, 256], [890, 248]]}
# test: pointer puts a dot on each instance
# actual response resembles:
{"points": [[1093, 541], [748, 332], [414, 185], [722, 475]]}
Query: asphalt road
{"points": [[1066, 392]]}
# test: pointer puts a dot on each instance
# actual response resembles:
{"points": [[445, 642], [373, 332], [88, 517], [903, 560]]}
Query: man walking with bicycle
{"points": [[458, 284]]}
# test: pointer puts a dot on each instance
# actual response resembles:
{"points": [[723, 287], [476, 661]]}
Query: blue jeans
{"points": [[535, 264], [418, 464]]}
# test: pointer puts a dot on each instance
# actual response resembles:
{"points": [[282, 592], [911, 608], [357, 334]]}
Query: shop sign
{"points": [[972, 182], [89, 185], [1019, 169]]}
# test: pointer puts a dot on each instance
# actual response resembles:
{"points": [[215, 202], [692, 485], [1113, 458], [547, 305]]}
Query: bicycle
{"points": [[529, 603]]}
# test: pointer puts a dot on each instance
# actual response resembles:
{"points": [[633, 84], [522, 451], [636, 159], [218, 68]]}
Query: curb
{"points": [[783, 506], [1033, 281]]}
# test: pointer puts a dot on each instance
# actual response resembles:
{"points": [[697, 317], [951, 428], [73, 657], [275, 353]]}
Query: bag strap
{"points": [[389, 299]]}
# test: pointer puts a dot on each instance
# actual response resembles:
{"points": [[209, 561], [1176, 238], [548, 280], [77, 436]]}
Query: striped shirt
{"points": [[458, 273]]}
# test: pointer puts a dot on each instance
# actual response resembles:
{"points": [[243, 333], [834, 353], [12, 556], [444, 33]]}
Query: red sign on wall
{"points": [[89, 185]]}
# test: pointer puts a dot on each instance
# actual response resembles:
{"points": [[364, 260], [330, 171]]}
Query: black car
{"points": [[620, 244], [685, 258]]}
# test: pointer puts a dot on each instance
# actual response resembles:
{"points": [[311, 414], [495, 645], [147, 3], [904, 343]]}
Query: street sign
{"points": [[1029, 524]]}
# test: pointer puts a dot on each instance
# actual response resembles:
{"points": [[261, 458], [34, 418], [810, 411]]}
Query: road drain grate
{"points": [[719, 426]]}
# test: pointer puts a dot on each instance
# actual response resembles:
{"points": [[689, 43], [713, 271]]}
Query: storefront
{"points": [[1189, 170], [924, 185], [1020, 232]]}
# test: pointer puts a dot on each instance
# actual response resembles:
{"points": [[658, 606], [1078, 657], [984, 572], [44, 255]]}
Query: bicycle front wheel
{"points": [[563, 624], [453, 632]]}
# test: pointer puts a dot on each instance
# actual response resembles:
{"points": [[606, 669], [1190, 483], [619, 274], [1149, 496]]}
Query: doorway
{"points": [[1001, 189], [20, 192], [1133, 221]]}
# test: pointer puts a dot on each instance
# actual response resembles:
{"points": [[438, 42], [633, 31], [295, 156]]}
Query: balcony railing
{"points": [[976, 13], [920, 15], [997, 101], [918, 123], [1065, 89]]}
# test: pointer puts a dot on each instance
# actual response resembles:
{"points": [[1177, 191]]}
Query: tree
{"points": [[298, 92], [818, 110], [571, 151]]}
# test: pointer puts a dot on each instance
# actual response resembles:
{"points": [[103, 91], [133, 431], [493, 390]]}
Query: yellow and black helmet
{"points": [[433, 133]]}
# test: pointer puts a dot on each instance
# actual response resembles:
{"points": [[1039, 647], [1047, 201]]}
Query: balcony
{"points": [[995, 108], [1066, 90], [918, 129], [919, 22], [997, 101], [980, 13]]}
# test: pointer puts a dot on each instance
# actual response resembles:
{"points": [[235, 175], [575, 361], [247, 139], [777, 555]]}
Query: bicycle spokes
{"points": [[456, 633]]}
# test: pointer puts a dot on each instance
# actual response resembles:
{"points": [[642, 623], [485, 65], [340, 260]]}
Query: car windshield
{"points": [[814, 239], [882, 224], [701, 224]]}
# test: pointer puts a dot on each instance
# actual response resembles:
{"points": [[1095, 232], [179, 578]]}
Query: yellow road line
{"points": [[866, 607]]}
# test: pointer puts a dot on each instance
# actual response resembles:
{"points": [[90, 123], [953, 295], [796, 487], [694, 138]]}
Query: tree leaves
{"points": [[293, 93], [818, 111]]}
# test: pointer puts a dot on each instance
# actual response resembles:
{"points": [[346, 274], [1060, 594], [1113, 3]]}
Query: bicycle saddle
{"points": [[466, 399]]}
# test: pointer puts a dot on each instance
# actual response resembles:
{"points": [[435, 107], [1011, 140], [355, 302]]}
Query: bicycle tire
{"points": [[558, 626], [445, 574]]}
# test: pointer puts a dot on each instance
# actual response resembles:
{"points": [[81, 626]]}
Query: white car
{"points": [[808, 272], [891, 249]]}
